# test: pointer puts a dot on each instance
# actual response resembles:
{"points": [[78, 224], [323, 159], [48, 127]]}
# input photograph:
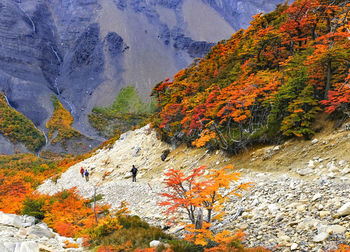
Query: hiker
{"points": [[134, 172], [86, 175], [82, 172]]}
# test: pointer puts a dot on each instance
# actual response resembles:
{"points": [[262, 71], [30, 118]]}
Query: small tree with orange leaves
{"points": [[196, 194]]}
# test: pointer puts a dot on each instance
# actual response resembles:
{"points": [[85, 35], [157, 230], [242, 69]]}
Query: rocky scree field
{"points": [[22, 234], [300, 199]]}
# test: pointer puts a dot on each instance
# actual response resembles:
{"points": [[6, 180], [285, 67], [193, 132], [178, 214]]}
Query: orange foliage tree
{"points": [[198, 194]]}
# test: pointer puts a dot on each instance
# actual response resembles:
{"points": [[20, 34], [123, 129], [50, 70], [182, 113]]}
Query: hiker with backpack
{"points": [[86, 175], [134, 172], [82, 172]]}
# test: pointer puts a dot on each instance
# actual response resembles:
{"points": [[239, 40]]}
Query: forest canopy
{"points": [[265, 83]]}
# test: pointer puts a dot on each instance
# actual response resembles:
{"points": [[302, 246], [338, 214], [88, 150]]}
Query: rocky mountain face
{"points": [[85, 51], [299, 200], [22, 234]]}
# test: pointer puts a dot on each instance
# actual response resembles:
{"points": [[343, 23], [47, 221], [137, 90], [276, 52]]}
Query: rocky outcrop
{"points": [[21, 234], [284, 210], [84, 52]]}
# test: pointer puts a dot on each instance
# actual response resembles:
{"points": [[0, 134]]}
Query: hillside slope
{"points": [[265, 84], [299, 186]]}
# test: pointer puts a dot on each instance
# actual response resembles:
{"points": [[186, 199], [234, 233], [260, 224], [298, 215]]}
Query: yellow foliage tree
{"points": [[198, 193]]}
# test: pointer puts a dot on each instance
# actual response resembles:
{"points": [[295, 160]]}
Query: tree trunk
{"points": [[95, 205], [199, 219], [328, 79], [209, 215]]}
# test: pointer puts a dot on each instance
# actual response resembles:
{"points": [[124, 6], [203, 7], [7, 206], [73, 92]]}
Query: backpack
{"points": [[134, 170], [86, 173]]}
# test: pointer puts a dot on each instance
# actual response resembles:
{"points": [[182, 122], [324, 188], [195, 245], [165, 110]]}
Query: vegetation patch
{"points": [[60, 122], [127, 112], [265, 84], [19, 128]]}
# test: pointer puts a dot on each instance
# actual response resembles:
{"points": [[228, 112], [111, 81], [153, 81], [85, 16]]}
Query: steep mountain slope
{"points": [[85, 51], [264, 84], [299, 187]]}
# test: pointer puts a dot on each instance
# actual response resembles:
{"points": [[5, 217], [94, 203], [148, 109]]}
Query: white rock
{"points": [[320, 207], [345, 171], [316, 196], [136, 151], [27, 221], [334, 168], [276, 148], [301, 208], [321, 237], [344, 210], [80, 241], [10, 219], [9, 246], [337, 229], [154, 243], [294, 246], [306, 224], [315, 141], [331, 175], [272, 208], [311, 164], [2, 247], [342, 162], [305, 171], [27, 246]]}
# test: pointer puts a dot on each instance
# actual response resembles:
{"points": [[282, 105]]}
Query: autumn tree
{"points": [[199, 194]]}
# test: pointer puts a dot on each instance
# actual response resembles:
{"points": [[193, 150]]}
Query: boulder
{"points": [[305, 171], [336, 229], [27, 246], [136, 151], [294, 246], [346, 170], [27, 221], [273, 208], [316, 196], [321, 237], [10, 220], [154, 243], [40, 231], [344, 210]]}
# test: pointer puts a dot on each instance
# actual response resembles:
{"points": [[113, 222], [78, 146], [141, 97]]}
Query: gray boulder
{"points": [[41, 231]]}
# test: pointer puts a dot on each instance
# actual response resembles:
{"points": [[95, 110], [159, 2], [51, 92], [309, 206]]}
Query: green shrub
{"points": [[33, 207], [127, 112], [184, 246], [132, 222], [132, 229]]}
